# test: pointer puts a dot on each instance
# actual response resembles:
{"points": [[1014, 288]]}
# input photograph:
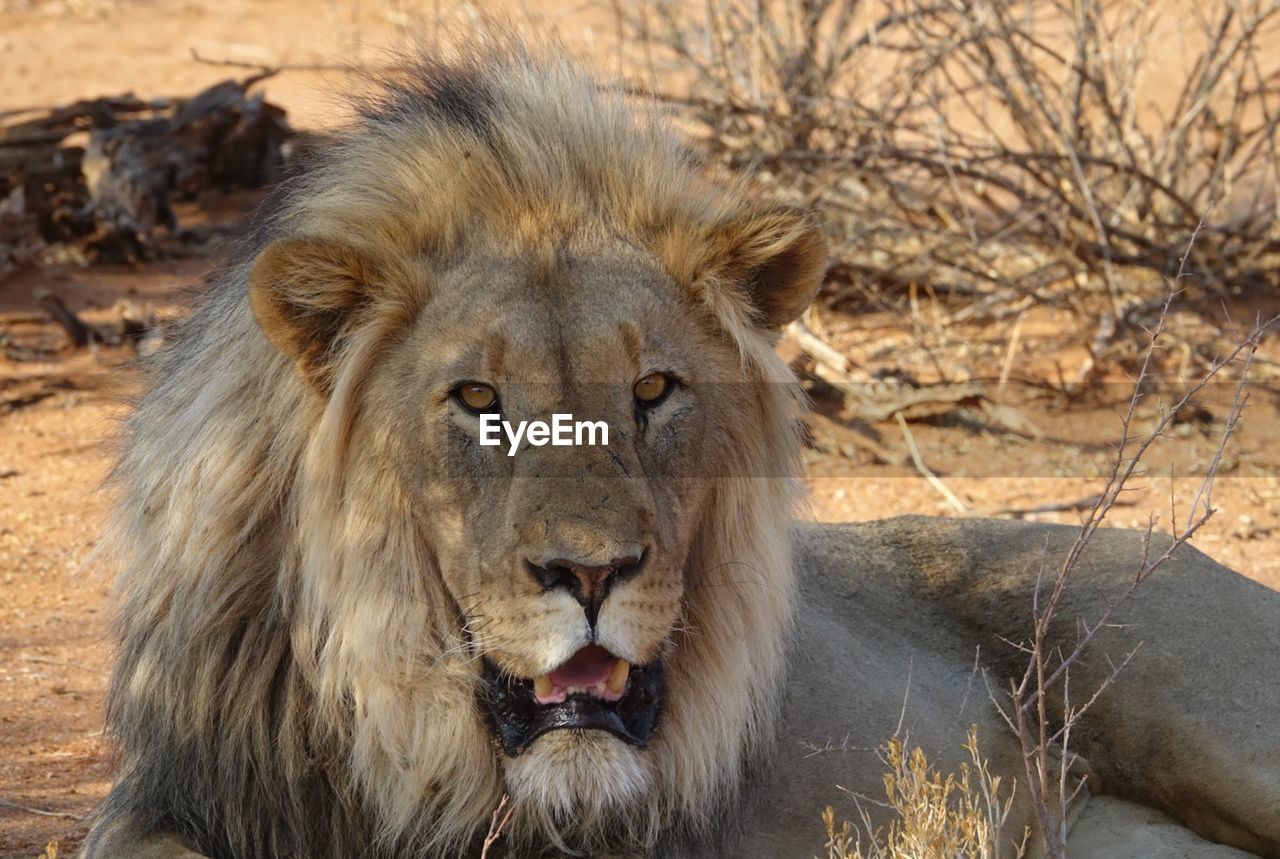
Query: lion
{"points": [[349, 628]]}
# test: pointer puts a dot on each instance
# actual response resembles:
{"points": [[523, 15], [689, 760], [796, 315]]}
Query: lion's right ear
{"points": [[303, 292]]}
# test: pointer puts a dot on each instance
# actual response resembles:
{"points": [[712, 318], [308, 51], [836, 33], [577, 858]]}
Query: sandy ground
{"points": [[57, 417]]}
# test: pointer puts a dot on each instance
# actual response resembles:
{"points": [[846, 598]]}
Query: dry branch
{"points": [[1088, 502], [497, 823], [925, 472], [48, 660], [265, 70], [78, 334], [29, 809], [132, 326]]}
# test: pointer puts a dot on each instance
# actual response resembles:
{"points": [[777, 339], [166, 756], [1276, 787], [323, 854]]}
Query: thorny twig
{"points": [[1048, 669], [497, 822]]}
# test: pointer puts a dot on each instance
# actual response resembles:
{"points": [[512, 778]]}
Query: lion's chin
{"points": [[573, 783]]}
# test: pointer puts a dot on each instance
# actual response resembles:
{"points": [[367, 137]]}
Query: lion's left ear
{"points": [[777, 257]]}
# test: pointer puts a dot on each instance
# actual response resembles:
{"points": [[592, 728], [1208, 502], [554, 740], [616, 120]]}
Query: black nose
{"points": [[589, 584]]}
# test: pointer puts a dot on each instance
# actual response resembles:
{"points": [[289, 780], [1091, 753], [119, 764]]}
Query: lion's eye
{"points": [[652, 389], [476, 397]]}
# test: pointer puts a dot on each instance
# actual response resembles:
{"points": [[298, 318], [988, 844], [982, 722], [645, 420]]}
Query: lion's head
{"points": [[596, 630]]}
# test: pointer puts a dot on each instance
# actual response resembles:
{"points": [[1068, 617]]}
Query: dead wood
{"points": [[43, 812], [130, 325], [100, 177], [78, 334], [21, 401], [1088, 502], [136, 324], [879, 399], [927, 473]]}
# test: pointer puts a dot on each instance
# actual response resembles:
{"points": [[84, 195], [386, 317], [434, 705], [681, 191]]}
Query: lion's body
{"points": [[319, 561], [909, 602]]}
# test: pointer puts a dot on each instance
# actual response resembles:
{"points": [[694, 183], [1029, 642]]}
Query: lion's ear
{"points": [[303, 292], [778, 257]]}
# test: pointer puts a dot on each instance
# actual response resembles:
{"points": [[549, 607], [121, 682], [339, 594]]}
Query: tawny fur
{"points": [[296, 676]]}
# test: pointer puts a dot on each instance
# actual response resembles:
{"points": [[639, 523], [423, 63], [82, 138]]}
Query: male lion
{"points": [[349, 628]]}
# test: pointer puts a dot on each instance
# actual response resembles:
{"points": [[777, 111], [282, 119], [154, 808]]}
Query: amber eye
{"points": [[476, 396], [652, 389]]}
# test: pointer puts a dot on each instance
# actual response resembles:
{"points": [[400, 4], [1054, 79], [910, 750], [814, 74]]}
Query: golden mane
{"points": [[284, 687]]}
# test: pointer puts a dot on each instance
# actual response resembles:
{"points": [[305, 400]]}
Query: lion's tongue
{"points": [[592, 669], [586, 668]]}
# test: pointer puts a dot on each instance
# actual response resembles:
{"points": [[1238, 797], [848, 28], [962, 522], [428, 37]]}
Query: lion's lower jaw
{"points": [[582, 791]]}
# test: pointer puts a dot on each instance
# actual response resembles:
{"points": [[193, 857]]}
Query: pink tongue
{"points": [[589, 666]]}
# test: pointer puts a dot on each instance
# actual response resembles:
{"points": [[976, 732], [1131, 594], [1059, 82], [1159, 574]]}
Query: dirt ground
{"points": [[57, 416]]}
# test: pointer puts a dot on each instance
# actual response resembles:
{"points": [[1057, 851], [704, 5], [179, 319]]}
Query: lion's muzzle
{"points": [[593, 689], [589, 584]]}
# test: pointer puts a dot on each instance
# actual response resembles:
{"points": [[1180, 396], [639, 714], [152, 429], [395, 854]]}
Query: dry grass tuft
{"points": [[956, 816]]}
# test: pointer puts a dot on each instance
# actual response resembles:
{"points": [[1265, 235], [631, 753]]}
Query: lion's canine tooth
{"points": [[600, 688], [542, 686], [618, 676]]}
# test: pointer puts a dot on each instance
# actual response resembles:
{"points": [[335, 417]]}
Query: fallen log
{"points": [[103, 175]]}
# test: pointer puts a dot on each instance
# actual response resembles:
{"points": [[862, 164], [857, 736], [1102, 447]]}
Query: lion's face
{"points": [[608, 615], [567, 564]]}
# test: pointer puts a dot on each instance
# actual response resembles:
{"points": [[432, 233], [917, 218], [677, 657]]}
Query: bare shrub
{"points": [[1009, 153]]}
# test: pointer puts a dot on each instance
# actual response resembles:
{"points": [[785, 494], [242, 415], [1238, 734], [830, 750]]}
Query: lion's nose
{"points": [[589, 584]]}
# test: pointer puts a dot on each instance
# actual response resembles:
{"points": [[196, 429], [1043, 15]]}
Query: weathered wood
{"points": [[103, 174], [78, 334]]}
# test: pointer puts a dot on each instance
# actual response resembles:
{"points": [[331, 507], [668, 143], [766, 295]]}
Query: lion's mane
{"points": [[293, 678]]}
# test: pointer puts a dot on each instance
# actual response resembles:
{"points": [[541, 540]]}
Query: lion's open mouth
{"points": [[593, 689]]}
